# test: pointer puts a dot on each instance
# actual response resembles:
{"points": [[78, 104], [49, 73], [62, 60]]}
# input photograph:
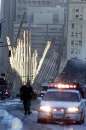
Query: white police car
{"points": [[62, 105]]}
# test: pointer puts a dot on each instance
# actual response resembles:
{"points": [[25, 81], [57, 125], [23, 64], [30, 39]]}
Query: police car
{"points": [[61, 104]]}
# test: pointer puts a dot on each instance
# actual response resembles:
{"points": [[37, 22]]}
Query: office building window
{"points": [[72, 42], [72, 50], [72, 34], [73, 25], [76, 15], [77, 10], [80, 43]]}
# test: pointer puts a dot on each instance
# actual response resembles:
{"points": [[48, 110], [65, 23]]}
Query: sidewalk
{"points": [[29, 122], [16, 104], [12, 116]]}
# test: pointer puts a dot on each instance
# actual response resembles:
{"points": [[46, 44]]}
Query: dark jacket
{"points": [[26, 92]]}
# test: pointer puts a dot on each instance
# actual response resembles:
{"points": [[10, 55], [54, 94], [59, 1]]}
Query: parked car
{"points": [[4, 89]]}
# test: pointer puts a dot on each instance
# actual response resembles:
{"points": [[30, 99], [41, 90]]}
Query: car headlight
{"points": [[45, 108], [73, 110]]}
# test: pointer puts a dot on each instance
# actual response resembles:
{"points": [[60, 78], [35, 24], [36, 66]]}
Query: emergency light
{"points": [[62, 86]]}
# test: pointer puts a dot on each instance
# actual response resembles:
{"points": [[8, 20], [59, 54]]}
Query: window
{"points": [[76, 44], [72, 25], [72, 51], [77, 10], [76, 52], [72, 34], [55, 19], [72, 42], [80, 43], [76, 15], [61, 96]]}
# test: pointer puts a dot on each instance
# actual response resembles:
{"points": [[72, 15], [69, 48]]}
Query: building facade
{"points": [[44, 18], [76, 39], [6, 20], [7, 17]]}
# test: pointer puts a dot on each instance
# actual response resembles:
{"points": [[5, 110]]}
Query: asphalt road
{"points": [[12, 118]]}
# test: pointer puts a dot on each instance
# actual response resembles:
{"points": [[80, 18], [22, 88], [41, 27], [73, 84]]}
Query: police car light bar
{"points": [[62, 86], [66, 86]]}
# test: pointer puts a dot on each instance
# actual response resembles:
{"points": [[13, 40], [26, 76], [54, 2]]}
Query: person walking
{"points": [[26, 92]]}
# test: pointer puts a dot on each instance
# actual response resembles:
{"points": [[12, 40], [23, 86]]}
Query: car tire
{"points": [[81, 121]]}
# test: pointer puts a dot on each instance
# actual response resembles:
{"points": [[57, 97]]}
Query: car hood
{"points": [[60, 104]]}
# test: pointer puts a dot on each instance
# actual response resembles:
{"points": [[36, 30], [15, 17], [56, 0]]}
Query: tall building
{"points": [[8, 17], [6, 20], [45, 19], [76, 39], [22, 5]]}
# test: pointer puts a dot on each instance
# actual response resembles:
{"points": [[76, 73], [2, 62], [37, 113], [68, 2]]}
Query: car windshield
{"points": [[61, 96]]}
